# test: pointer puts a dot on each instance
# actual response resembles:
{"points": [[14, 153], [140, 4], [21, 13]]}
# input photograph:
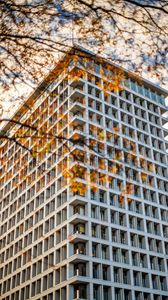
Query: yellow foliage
{"points": [[94, 188], [78, 187], [116, 129], [150, 167], [93, 176], [93, 143], [101, 135], [108, 135], [110, 180], [76, 74], [129, 200], [101, 165], [102, 178], [144, 176], [113, 169], [34, 152]]}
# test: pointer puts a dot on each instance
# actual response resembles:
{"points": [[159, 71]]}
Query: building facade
{"points": [[105, 238]]}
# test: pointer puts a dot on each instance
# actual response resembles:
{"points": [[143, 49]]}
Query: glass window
{"points": [[133, 86]]}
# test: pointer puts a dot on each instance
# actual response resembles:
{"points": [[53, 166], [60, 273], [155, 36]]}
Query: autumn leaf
{"points": [[93, 176], [94, 188], [101, 135], [150, 167], [144, 176], [113, 169], [75, 136], [121, 199]]}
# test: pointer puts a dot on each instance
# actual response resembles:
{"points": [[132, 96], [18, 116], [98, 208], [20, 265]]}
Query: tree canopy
{"points": [[34, 33]]}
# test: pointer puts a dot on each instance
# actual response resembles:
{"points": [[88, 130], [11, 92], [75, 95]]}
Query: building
{"points": [[108, 239]]}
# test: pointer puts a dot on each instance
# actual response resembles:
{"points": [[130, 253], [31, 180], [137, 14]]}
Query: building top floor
{"points": [[100, 68]]}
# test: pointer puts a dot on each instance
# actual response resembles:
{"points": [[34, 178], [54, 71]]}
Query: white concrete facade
{"points": [[55, 244]]}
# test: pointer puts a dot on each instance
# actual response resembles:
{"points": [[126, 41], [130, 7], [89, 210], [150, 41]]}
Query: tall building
{"points": [[100, 233]]}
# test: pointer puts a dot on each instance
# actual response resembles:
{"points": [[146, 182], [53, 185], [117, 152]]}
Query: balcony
{"points": [[80, 269], [78, 297], [95, 271], [76, 109], [135, 262], [79, 209], [80, 292], [105, 255], [123, 240], [77, 125], [80, 248], [155, 285], [77, 85], [79, 228], [145, 283], [117, 277], [163, 286], [105, 274], [137, 281], [143, 264], [126, 279]]}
